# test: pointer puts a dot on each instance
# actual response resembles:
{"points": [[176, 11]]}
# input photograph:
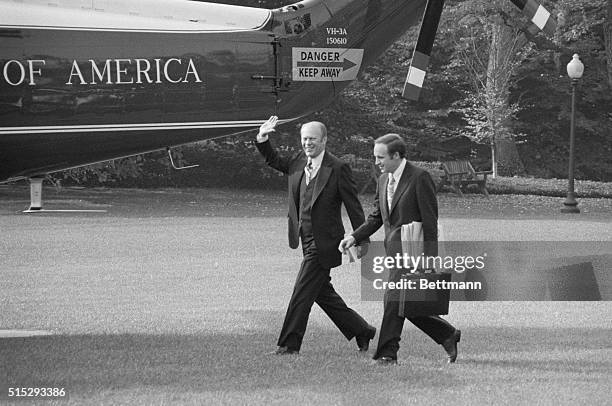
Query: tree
{"points": [[543, 90], [490, 48]]}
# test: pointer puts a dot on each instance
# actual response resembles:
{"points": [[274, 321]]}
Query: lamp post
{"points": [[575, 69]]}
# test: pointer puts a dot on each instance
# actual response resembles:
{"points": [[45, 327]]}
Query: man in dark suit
{"points": [[318, 185], [405, 194]]}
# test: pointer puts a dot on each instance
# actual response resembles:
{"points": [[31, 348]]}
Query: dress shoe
{"points": [[363, 341], [285, 351], [386, 361], [450, 345]]}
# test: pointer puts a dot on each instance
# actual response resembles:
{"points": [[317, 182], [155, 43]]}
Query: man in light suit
{"points": [[405, 194], [318, 185]]}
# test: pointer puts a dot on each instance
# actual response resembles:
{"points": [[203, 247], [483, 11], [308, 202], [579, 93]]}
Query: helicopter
{"points": [[87, 81]]}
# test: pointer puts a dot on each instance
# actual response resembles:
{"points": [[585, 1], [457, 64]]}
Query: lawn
{"points": [[176, 297]]}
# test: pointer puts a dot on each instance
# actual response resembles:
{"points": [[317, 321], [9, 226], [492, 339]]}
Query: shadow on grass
{"points": [[90, 364]]}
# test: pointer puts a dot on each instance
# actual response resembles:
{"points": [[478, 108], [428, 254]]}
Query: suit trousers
{"points": [[391, 329], [313, 284]]}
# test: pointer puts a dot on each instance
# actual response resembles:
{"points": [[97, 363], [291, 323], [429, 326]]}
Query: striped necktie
{"points": [[390, 190], [309, 170]]}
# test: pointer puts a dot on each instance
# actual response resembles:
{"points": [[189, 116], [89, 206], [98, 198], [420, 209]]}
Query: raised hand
{"points": [[267, 127]]}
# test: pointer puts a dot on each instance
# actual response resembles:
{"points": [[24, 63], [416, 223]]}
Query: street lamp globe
{"points": [[575, 68]]}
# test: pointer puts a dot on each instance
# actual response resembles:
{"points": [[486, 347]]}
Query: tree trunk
{"points": [[493, 160], [509, 162], [501, 64], [608, 42]]}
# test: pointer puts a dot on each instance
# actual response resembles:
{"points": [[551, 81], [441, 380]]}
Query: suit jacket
{"points": [[333, 186], [414, 200]]}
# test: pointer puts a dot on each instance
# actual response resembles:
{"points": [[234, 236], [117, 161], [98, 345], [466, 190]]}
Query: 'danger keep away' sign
{"points": [[326, 64]]}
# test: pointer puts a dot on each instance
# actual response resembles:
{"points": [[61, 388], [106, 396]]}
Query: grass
{"points": [[497, 365], [273, 203], [175, 297]]}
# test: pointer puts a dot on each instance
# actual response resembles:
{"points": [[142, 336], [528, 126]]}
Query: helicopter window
{"points": [[298, 24]]}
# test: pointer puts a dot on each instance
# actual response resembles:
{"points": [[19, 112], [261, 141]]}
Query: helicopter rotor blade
{"points": [[422, 51], [538, 15]]}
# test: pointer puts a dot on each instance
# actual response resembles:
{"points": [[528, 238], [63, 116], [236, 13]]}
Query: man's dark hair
{"points": [[394, 144]]}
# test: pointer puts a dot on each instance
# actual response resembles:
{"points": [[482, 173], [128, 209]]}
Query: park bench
{"points": [[458, 174]]}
